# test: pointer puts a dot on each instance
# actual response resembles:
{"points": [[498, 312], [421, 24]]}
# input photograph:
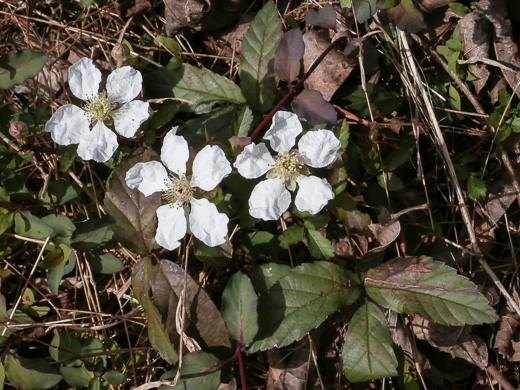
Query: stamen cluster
{"points": [[179, 190], [99, 108], [287, 167]]}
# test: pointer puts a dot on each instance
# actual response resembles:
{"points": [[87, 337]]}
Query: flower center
{"points": [[179, 190], [287, 167], [99, 107]]}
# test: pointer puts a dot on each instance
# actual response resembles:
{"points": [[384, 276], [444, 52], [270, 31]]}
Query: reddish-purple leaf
{"points": [[406, 17], [324, 17], [288, 55], [310, 105]]}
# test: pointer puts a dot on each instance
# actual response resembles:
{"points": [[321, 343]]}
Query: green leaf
{"points": [[476, 187], [364, 9], [459, 9], [217, 256], [90, 234], [242, 121], [392, 182], [105, 263], [64, 347], [6, 219], [400, 155], [30, 374], [55, 257], [171, 44], [239, 303], [215, 126], [319, 246], [115, 378], [196, 373], [322, 17], [201, 87], [157, 333], [15, 68], [260, 243], [291, 236], [406, 17], [133, 212], [62, 192], [380, 97], [257, 80], [2, 376], [295, 301], [368, 348], [382, 4], [76, 376], [27, 225], [62, 226], [419, 285]]}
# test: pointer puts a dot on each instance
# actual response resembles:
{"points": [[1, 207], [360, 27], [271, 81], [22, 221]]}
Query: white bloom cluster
{"points": [[317, 149], [87, 126], [209, 167]]}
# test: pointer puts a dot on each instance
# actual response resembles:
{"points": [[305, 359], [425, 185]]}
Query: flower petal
{"points": [[129, 117], [210, 166], [84, 79], [99, 145], [171, 226], [68, 125], [147, 177], [175, 152], [269, 200], [319, 148], [313, 194], [207, 224], [283, 132], [254, 161], [124, 84]]}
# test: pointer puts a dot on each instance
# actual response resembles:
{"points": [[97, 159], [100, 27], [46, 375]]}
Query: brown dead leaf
{"points": [[506, 339], [333, 70], [132, 8], [459, 342], [476, 35]]}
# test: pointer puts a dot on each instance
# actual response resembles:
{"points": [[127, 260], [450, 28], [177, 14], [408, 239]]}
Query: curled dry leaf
{"points": [[506, 341], [459, 342]]}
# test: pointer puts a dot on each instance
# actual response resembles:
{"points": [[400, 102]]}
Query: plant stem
{"points": [[293, 88]]}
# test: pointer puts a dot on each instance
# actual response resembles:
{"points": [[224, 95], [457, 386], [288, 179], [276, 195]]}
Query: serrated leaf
{"points": [[310, 105], [323, 17], [239, 302], [476, 187], [419, 285], [295, 301], [291, 236], [201, 87], [288, 55], [242, 121], [133, 213], [319, 246], [214, 126], [407, 17], [368, 348], [15, 68], [381, 98], [156, 331], [196, 373], [30, 374], [257, 80], [317, 222]]}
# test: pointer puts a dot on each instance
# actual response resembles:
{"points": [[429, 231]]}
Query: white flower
{"points": [[270, 198], [209, 167], [87, 126]]}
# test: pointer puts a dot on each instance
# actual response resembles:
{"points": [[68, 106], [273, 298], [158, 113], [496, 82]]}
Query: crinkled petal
{"points": [[84, 79], [147, 177], [254, 161], [269, 200], [210, 166], [283, 132], [124, 84], [99, 145], [175, 152], [313, 194], [207, 224], [129, 117], [68, 125], [171, 226], [319, 148]]}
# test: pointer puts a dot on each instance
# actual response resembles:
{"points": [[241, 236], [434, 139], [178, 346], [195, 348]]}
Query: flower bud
{"points": [[18, 130], [120, 53]]}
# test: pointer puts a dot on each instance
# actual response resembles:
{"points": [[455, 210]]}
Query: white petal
{"points": [[84, 79], [254, 161], [207, 224], [68, 125], [99, 145], [313, 194], [210, 166], [283, 132], [269, 200], [129, 117], [171, 226], [319, 148], [175, 152], [124, 84], [147, 177]]}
